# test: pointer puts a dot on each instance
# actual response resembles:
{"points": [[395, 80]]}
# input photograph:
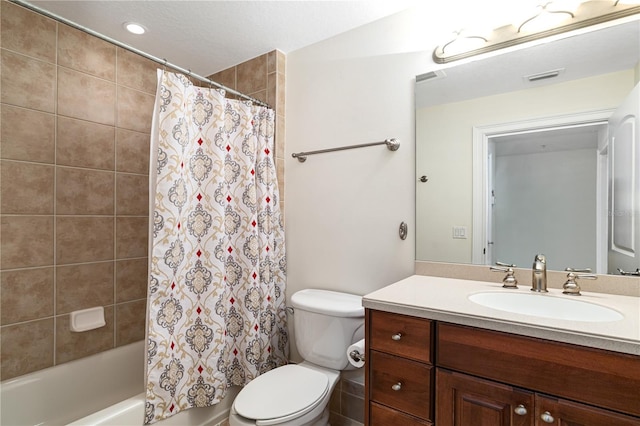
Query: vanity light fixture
{"points": [[463, 42], [585, 14], [546, 17], [134, 28]]}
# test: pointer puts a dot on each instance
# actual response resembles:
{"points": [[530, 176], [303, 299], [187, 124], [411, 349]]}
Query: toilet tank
{"points": [[326, 323]]}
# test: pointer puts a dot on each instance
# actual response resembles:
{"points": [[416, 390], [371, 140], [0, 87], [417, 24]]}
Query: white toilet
{"points": [[326, 323]]}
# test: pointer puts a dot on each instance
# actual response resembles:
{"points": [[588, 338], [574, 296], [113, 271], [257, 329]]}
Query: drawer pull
{"points": [[397, 386], [520, 410], [396, 336], [547, 417]]}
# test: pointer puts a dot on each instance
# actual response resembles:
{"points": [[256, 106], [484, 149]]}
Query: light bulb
{"points": [[134, 28]]}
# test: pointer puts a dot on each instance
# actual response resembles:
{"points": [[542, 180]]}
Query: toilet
{"points": [[326, 323]]}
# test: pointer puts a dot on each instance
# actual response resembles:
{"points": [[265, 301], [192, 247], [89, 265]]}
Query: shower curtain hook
{"points": [[164, 65]]}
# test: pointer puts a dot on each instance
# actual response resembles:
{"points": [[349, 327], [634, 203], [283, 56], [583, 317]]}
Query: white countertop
{"points": [[446, 299]]}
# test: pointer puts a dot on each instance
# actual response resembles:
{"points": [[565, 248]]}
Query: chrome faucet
{"points": [[539, 274]]}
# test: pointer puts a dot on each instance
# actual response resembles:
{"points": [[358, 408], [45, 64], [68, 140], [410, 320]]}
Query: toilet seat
{"points": [[282, 394]]}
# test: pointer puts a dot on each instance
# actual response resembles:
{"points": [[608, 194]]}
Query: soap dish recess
{"points": [[87, 319]]}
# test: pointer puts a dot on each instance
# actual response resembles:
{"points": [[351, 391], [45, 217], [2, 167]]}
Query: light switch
{"points": [[460, 232]]}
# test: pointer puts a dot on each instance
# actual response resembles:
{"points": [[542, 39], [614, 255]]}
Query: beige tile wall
{"points": [[347, 400], [75, 117], [74, 154]]}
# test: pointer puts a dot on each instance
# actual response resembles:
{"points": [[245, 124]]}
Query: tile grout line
{"points": [[55, 207], [115, 199], [64, 166], [34, 320]]}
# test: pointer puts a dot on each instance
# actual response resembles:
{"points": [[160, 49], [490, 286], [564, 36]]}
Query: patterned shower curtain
{"points": [[216, 303]]}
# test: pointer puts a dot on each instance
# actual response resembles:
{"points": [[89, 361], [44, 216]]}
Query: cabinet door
{"points": [[566, 413], [463, 400]]}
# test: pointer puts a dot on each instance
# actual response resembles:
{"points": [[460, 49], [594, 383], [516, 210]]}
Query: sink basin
{"points": [[542, 305]]}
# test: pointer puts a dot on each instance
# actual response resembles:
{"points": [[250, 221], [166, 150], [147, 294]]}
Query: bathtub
{"points": [[102, 389]]}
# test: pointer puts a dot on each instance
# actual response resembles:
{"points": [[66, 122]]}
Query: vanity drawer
{"points": [[402, 384], [385, 416], [402, 335], [593, 376]]}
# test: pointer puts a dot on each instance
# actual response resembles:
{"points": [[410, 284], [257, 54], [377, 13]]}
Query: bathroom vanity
{"points": [[436, 357]]}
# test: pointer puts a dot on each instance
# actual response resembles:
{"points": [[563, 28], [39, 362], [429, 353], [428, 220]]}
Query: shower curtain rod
{"points": [[392, 145], [161, 61]]}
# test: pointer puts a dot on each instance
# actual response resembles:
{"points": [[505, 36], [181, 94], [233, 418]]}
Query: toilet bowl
{"points": [[326, 323], [291, 395]]}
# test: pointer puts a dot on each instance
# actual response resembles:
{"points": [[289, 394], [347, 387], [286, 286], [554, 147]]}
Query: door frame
{"points": [[480, 172]]}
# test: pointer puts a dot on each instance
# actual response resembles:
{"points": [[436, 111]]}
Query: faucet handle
{"points": [[509, 281], [632, 273], [587, 270], [571, 286]]}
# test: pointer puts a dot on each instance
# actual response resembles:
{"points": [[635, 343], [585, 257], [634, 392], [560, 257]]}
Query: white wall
{"points": [[343, 209], [546, 203]]}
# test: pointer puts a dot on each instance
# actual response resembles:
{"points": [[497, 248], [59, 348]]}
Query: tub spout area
{"points": [[114, 396]]}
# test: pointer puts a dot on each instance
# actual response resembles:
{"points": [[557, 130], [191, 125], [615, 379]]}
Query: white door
{"points": [[624, 185], [490, 214]]}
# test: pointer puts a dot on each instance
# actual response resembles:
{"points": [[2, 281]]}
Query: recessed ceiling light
{"points": [[134, 28]]}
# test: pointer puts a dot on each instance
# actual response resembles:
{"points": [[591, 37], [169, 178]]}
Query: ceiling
{"points": [[549, 140], [209, 36], [581, 54]]}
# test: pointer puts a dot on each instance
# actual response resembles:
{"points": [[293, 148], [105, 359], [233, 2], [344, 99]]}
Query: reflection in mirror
{"points": [[528, 171], [533, 151]]}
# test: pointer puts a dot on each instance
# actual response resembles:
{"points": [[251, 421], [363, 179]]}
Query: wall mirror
{"points": [[534, 150]]}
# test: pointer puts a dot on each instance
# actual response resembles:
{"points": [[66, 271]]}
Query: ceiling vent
{"points": [[430, 76], [543, 75]]}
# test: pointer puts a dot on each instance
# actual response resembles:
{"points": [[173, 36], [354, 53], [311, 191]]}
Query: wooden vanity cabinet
{"points": [[595, 377], [458, 375], [399, 370], [464, 400]]}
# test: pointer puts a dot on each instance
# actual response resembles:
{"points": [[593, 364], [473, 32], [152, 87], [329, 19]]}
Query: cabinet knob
{"points": [[547, 417], [520, 410], [397, 386], [397, 336]]}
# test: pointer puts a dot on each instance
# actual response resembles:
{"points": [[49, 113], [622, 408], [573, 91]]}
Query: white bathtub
{"points": [[102, 389], [131, 411]]}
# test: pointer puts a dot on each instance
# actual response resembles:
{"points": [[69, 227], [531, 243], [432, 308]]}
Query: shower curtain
{"points": [[216, 312]]}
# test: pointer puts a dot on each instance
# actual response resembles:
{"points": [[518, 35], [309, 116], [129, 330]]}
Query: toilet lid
{"points": [[287, 391]]}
